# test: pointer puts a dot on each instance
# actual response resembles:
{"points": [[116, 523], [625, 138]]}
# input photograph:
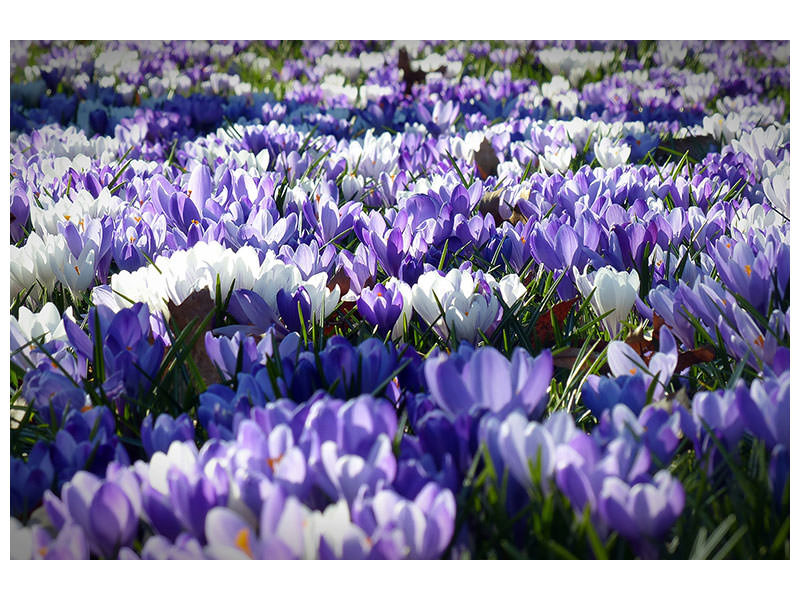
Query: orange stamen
{"points": [[243, 541]]}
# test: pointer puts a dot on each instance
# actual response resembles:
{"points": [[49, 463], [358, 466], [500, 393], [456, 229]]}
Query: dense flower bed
{"points": [[381, 300]]}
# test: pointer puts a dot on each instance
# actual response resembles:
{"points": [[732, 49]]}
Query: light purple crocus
{"points": [[488, 380]]}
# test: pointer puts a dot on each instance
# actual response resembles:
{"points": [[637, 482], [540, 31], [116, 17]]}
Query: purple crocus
{"points": [[644, 511], [624, 360], [157, 437], [107, 511], [381, 306], [764, 410], [488, 380], [29, 479], [292, 305], [225, 352], [602, 393]]}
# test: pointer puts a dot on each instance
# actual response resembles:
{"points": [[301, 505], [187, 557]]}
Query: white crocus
{"points": [[511, 289], [323, 300], [776, 186], [756, 221], [47, 323], [611, 155], [614, 291], [761, 144], [23, 269], [557, 160], [77, 273], [184, 272], [405, 292], [466, 311]]}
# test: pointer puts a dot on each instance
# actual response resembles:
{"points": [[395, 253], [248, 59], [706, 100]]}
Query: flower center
{"points": [[274, 462]]}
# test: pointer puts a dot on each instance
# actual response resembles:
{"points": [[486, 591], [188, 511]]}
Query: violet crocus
{"points": [[401, 528], [158, 436], [226, 352], [292, 305], [624, 360], [52, 395], [489, 380], [526, 448], [602, 393], [107, 511], [35, 542], [387, 307], [644, 511], [29, 479], [764, 409], [742, 271]]}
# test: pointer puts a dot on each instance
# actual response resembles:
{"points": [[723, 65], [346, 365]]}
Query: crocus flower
{"points": [[104, 510], [159, 436], [602, 393], [524, 445], [29, 479], [488, 380], [764, 409], [644, 511], [35, 542], [614, 292], [466, 311], [611, 155], [624, 360], [386, 306]]}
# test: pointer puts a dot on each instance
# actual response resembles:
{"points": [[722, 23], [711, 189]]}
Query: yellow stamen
{"points": [[243, 541], [632, 371], [42, 550], [189, 193], [195, 222], [77, 270], [67, 217], [759, 341], [748, 270]]}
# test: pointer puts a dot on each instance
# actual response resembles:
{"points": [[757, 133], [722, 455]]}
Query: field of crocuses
{"points": [[399, 300]]}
